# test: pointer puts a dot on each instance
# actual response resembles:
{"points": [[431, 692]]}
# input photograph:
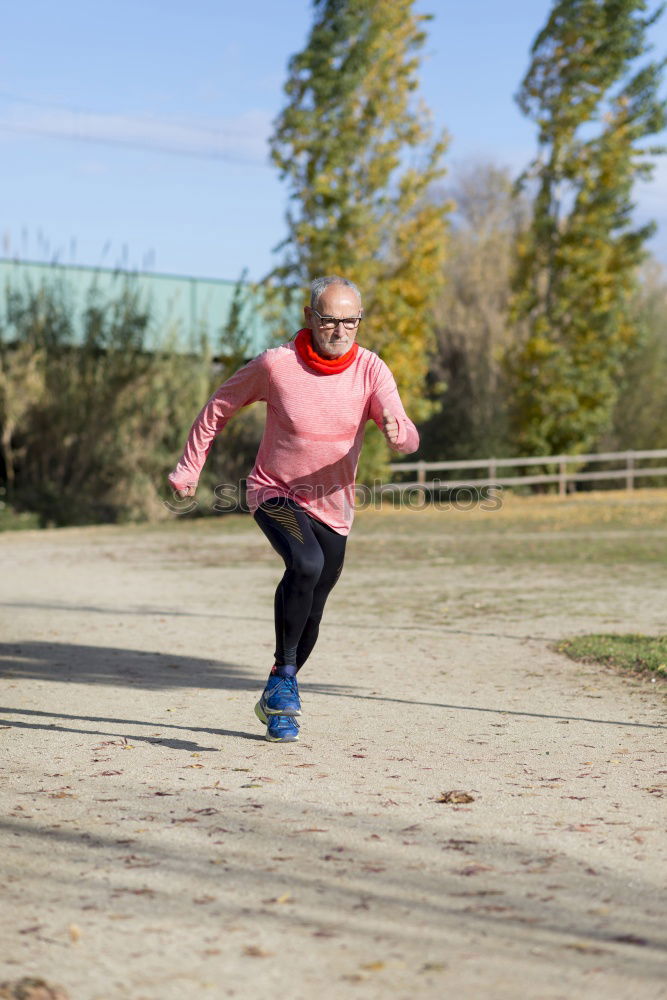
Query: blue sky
{"points": [[200, 83]]}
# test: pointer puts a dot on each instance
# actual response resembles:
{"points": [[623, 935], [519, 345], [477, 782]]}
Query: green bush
{"points": [[90, 423]]}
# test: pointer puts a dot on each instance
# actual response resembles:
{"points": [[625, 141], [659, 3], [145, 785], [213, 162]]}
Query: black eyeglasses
{"points": [[331, 322]]}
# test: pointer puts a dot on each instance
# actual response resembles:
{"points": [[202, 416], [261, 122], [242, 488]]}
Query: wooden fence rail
{"points": [[629, 471]]}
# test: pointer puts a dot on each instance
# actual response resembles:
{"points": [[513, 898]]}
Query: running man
{"points": [[320, 389]]}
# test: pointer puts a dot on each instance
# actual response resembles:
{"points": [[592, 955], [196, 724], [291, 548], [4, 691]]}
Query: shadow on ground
{"points": [[76, 664], [413, 886]]}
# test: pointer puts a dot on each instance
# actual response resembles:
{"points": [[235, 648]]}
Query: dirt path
{"points": [[154, 846]]}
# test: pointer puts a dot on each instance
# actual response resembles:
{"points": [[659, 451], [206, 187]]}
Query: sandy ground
{"points": [[155, 846]]}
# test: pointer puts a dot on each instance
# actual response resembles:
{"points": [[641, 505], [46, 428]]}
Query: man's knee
{"points": [[308, 565]]}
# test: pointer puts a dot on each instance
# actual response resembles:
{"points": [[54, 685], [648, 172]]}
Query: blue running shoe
{"points": [[280, 696], [279, 728]]}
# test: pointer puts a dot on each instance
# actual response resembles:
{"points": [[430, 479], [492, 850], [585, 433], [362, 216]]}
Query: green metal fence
{"points": [[181, 308]]}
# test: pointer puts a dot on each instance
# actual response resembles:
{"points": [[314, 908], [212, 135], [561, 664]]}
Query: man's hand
{"points": [[187, 491], [390, 428]]}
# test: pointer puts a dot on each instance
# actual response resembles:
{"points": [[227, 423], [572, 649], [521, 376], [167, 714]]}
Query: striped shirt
{"points": [[313, 433]]}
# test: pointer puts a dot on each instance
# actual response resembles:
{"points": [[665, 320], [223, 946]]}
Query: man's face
{"points": [[340, 302]]}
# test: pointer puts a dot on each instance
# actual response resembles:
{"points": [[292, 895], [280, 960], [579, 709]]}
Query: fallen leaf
{"points": [[454, 844], [74, 932], [135, 892], [630, 939], [479, 892], [474, 869], [134, 861], [584, 946], [253, 951], [455, 796], [31, 988]]}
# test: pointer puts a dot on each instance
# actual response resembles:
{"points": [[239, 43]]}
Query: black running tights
{"points": [[313, 554]]}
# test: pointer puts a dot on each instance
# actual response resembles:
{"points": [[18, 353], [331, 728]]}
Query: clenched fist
{"points": [[187, 491], [390, 427]]}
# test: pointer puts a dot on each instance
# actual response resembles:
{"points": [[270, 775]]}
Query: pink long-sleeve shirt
{"points": [[313, 433]]}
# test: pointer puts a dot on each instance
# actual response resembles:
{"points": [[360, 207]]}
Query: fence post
{"points": [[421, 473], [492, 468], [562, 478], [630, 470]]}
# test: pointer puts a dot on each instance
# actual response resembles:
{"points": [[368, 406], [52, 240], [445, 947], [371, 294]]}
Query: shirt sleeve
{"points": [[248, 385], [385, 397]]}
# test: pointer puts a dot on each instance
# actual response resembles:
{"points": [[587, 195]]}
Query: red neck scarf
{"points": [[325, 366]]}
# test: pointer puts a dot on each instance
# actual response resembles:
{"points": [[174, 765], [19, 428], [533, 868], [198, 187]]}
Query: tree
{"points": [[359, 158], [472, 332], [230, 459], [577, 264], [90, 418], [640, 415], [234, 344]]}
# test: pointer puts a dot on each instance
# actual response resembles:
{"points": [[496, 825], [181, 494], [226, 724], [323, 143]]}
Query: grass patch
{"points": [[609, 528], [630, 652], [12, 520]]}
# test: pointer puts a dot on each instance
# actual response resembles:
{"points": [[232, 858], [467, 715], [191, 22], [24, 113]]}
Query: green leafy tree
{"points": [[89, 421], [472, 332], [234, 341], [358, 154], [233, 453], [577, 262], [640, 415]]}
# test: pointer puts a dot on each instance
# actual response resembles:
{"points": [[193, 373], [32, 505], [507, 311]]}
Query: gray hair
{"points": [[318, 286]]}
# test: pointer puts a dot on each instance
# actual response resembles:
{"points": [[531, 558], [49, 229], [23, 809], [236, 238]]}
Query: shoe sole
{"points": [[259, 712], [290, 712], [274, 739]]}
